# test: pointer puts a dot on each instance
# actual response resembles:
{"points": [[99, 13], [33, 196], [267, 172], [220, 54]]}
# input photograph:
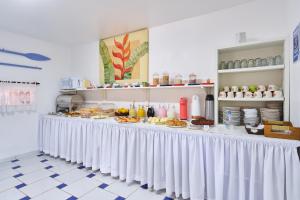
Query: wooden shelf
{"points": [[251, 99], [143, 88], [251, 69]]}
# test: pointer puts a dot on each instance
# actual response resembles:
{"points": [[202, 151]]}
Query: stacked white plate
{"points": [[232, 116], [250, 116], [268, 114]]}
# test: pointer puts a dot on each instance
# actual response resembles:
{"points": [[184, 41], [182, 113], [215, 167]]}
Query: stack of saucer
{"points": [[276, 105], [268, 114], [232, 116], [250, 116]]}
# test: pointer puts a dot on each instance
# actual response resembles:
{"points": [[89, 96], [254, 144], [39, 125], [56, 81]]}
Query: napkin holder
{"points": [[281, 129]]}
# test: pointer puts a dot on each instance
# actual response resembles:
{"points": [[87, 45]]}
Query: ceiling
{"points": [[72, 22]]}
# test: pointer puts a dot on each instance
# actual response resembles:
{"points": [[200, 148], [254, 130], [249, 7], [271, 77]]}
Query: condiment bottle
{"points": [[165, 79], [141, 111], [132, 112], [155, 79], [150, 112], [162, 112], [171, 112]]}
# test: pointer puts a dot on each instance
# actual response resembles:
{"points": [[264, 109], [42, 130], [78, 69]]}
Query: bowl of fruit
{"points": [[122, 112]]}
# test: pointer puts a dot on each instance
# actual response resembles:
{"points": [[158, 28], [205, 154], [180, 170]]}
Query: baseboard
{"points": [[30, 153]]}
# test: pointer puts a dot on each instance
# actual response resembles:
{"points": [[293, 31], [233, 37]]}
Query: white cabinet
{"points": [[265, 74]]}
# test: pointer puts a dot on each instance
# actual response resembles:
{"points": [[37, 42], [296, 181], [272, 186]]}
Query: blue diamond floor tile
{"points": [[54, 175], [25, 198], [144, 186], [168, 198], [18, 175], [20, 186], [91, 175], [80, 167], [15, 160], [61, 186], [16, 167], [49, 167], [45, 160], [71, 198], [103, 186], [120, 198]]}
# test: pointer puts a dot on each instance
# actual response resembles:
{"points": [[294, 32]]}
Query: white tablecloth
{"points": [[194, 164]]}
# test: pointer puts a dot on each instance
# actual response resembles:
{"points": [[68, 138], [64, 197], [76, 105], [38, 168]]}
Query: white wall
{"points": [[293, 21], [190, 45], [18, 131]]}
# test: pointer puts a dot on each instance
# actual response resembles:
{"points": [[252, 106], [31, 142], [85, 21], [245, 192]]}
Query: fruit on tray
{"points": [[157, 120], [176, 123], [127, 119], [122, 112]]}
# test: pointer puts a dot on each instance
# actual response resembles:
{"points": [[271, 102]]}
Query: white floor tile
{"points": [[145, 194], [122, 188], [62, 168], [55, 193], [35, 176], [28, 168], [40, 187], [105, 178], [72, 176], [8, 183], [7, 165], [98, 194], [82, 186], [7, 173], [11, 194]]}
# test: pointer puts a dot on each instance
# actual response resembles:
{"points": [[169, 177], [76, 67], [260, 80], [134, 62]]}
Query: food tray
{"points": [[281, 129]]}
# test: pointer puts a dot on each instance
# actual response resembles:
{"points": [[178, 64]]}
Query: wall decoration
{"points": [[125, 58], [296, 38], [31, 56], [20, 66]]}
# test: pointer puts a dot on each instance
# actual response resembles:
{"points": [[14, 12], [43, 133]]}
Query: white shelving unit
{"points": [[264, 75], [252, 69], [251, 99], [144, 88]]}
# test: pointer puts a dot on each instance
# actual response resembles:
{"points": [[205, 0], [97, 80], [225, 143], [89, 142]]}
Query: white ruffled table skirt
{"points": [[194, 164]]}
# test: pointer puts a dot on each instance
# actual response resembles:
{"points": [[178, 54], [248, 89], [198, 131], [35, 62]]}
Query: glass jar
{"points": [[132, 112], [192, 78], [165, 79], [141, 112], [178, 79], [155, 79]]}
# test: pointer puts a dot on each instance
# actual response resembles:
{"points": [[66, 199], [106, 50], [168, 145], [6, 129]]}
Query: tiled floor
{"points": [[41, 177]]}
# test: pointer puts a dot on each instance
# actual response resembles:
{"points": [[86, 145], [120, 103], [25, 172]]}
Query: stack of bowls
{"points": [[250, 116], [232, 116]]}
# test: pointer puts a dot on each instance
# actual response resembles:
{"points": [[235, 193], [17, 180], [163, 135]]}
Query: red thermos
{"points": [[183, 108]]}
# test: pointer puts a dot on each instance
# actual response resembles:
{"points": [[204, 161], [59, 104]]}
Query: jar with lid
{"points": [[132, 111], [192, 78], [178, 79], [155, 79], [165, 79], [141, 112]]}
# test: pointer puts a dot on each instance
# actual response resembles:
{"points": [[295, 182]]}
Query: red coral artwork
{"points": [[123, 54]]}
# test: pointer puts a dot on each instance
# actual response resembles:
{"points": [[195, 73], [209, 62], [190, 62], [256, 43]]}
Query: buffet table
{"points": [[223, 165]]}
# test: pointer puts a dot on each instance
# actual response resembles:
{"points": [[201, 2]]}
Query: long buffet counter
{"points": [[220, 164]]}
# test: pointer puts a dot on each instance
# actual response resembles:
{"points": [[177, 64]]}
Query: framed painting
{"points": [[124, 58]]}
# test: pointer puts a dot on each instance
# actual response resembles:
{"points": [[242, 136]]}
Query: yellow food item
{"points": [[127, 119], [176, 122]]}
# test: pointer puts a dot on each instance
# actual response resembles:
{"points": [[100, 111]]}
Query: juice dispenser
{"points": [[183, 108]]}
